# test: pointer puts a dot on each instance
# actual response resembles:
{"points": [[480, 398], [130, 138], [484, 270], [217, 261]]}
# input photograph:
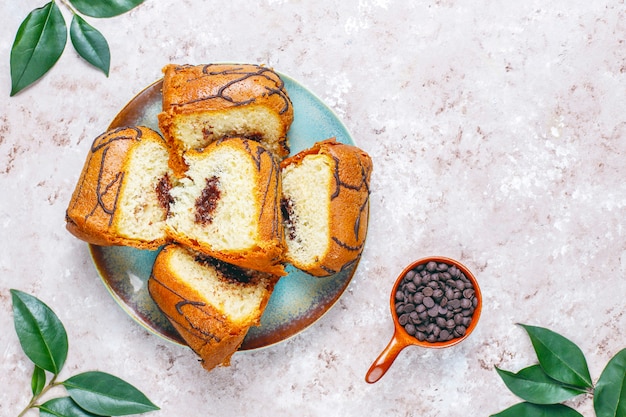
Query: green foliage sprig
{"points": [[562, 374], [44, 341], [42, 36]]}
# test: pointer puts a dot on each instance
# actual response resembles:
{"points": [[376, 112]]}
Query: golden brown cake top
{"points": [[223, 85], [95, 200], [349, 204]]}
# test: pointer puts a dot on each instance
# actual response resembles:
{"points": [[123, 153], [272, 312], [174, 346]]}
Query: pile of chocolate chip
{"points": [[435, 302]]}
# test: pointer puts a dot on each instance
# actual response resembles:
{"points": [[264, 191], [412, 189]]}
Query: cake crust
{"points": [[94, 210], [265, 248], [207, 329], [348, 207], [218, 92]]}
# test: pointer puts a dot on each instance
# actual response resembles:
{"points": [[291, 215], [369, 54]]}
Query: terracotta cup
{"points": [[401, 339]]}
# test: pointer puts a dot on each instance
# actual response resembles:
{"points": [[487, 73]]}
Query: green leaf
{"points": [[105, 394], [609, 399], [104, 8], [90, 44], [41, 333], [560, 358], [62, 407], [38, 381], [38, 45], [532, 384], [535, 410]]}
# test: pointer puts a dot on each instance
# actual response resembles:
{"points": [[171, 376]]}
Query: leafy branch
{"points": [[44, 341], [42, 36], [562, 374]]}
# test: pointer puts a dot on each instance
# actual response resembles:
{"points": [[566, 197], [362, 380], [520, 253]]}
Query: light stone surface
{"points": [[498, 135]]}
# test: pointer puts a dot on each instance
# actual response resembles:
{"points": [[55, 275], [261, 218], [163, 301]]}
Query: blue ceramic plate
{"points": [[298, 299]]}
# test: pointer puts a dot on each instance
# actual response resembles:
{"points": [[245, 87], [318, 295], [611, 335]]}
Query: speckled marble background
{"points": [[498, 134]]}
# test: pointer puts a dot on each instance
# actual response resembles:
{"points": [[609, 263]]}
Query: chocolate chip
{"points": [[418, 298], [410, 275], [429, 302], [468, 293], [408, 308], [417, 280]]}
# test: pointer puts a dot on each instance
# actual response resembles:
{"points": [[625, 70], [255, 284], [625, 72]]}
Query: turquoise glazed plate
{"points": [[298, 299]]}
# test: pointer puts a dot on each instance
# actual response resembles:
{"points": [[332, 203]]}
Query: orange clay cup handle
{"points": [[384, 361]]}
